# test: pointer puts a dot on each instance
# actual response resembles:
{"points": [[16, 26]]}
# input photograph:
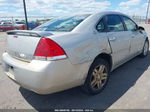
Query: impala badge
{"points": [[22, 55]]}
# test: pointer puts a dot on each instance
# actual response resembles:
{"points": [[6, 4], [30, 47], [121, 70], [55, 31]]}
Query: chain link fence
{"points": [[138, 19]]}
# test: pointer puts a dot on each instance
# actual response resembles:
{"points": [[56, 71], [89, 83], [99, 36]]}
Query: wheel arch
{"points": [[146, 39], [106, 57]]}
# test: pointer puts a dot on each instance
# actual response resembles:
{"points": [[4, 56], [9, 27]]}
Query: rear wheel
{"points": [[145, 49], [97, 77]]}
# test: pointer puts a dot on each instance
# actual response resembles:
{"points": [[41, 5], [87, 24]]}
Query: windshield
{"points": [[62, 24]]}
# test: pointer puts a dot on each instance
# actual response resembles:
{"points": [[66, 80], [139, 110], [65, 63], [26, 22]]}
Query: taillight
{"points": [[47, 49]]}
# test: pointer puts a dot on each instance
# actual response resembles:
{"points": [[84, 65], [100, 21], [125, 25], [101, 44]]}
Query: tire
{"points": [[145, 49], [97, 77]]}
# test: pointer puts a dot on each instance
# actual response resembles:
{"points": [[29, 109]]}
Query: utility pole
{"points": [[25, 12], [147, 12]]}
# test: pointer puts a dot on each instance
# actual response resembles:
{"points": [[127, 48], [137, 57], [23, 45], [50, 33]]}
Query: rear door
{"points": [[135, 35], [119, 40]]}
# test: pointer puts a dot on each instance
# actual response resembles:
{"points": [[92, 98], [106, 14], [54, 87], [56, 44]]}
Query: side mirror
{"points": [[141, 28]]}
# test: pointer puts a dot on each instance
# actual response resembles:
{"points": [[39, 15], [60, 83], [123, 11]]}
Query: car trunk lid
{"points": [[22, 44]]}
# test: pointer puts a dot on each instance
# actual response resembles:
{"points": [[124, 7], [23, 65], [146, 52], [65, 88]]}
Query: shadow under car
{"points": [[121, 80]]}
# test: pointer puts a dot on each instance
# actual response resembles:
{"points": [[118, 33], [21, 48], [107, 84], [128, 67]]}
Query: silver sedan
{"points": [[73, 51]]}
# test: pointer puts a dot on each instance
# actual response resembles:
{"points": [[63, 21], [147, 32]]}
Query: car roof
{"points": [[104, 13], [111, 12]]}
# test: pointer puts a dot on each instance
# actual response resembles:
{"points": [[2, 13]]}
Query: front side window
{"points": [[62, 24], [114, 23], [131, 26]]}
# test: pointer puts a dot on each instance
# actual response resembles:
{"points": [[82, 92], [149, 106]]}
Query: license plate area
{"points": [[10, 71], [8, 67]]}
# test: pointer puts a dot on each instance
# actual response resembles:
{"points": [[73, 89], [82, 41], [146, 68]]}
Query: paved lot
{"points": [[128, 88]]}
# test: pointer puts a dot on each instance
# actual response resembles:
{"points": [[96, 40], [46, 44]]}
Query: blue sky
{"points": [[66, 7]]}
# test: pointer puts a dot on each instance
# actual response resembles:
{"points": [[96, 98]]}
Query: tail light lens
{"points": [[47, 49]]}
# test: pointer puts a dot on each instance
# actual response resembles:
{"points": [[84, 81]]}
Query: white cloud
{"points": [[130, 3], [131, 11], [10, 2], [56, 7], [133, 7], [67, 7]]}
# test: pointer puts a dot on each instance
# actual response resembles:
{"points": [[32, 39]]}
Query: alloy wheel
{"points": [[99, 77]]}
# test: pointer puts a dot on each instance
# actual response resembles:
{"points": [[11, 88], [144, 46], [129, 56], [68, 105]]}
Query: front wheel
{"points": [[97, 77], [145, 49]]}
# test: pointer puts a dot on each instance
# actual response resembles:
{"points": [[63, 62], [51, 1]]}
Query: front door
{"points": [[135, 35]]}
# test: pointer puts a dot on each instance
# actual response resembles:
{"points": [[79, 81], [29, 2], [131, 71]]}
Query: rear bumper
{"points": [[44, 77]]}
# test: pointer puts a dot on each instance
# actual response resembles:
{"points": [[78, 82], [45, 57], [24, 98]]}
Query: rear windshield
{"points": [[62, 24]]}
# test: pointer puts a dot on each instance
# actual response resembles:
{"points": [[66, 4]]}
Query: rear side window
{"points": [[131, 26], [100, 27], [114, 23]]}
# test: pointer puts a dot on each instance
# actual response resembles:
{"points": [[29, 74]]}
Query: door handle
{"points": [[112, 38]]}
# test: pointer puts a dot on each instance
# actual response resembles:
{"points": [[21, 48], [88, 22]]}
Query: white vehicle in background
{"points": [[5, 22], [67, 52]]}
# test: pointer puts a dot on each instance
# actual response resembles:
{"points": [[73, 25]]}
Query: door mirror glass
{"points": [[141, 28]]}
